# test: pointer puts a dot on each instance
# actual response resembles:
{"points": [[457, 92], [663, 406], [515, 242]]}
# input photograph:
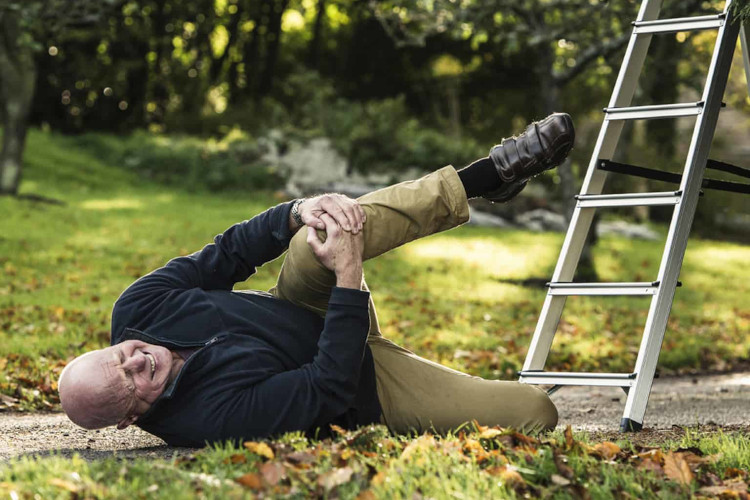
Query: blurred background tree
{"points": [[392, 84]]}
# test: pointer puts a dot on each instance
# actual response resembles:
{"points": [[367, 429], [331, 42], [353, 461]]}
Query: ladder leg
{"points": [[593, 183], [679, 230]]}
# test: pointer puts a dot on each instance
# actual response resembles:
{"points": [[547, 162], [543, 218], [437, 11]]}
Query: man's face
{"points": [[118, 384], [144, 370]]}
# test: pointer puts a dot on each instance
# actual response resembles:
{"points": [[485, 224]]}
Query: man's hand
{"points": [[344, 210], [341, 252]]}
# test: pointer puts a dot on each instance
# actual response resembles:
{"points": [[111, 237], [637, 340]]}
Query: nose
{"points": [[137, 362]]}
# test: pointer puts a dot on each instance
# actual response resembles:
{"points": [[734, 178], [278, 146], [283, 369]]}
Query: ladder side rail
{"points": [[580, 223], [682, 219]]}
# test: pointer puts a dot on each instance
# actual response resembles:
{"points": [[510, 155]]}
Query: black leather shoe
{"points": [[542, 146], [506, 191]]}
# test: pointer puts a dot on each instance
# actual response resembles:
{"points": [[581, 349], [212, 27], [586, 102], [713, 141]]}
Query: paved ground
{"points": [[722, 400]]}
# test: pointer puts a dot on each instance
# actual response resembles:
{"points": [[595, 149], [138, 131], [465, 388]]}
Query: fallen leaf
{"points": [[65, 485], [338, 430], [731, 472], [564, 469], [251, 480], [366, 495], [559, 480], [300, 457], [569, 441], [261, 449], [335, 478], [237, 458], [606, 450], [378, 478], [272, 472], [677, 469], [422, 443]]}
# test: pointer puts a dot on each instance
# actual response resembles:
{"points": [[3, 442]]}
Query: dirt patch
{"points": [[701, 403]]}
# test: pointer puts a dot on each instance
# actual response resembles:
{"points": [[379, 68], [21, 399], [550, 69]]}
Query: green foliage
{"points": [[232, 163], [741, 9]]}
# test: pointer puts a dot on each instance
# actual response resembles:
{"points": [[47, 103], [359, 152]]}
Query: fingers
{"points": [[313, 240], [345, 211]]}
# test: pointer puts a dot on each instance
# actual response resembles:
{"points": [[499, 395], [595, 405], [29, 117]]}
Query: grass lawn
{"points": [[450, 298]]}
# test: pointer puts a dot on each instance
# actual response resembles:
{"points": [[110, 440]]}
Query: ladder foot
{"points": [[628, 425]]}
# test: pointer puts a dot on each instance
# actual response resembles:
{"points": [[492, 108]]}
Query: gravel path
{"points": [[722, 400]]}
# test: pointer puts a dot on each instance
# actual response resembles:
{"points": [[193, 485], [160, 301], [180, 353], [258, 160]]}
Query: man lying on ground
{"points": [[193, 361]]}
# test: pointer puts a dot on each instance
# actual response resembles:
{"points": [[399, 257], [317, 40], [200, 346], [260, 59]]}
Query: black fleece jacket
{"points": [[263, 365]]}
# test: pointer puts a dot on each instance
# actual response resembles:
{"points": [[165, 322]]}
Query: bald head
{"points": [[116, 385], [91, 393]]}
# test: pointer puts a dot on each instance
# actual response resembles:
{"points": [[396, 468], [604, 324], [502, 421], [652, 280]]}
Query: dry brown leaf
{"points": [[490, 433], [237, 458], [512, 478], [655, 455], [338, 430], [272, 472], [335, 478], [569, 441], [736, 488], [677, 469], [564, 469], [261, 449], [559, 480], [731, 472], [65, 485], [422, 443], [379, 478], [251, 480], [606, 450], [300, 457], [366, 495], [647, 464]]}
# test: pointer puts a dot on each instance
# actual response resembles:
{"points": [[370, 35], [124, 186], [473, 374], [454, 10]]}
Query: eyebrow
{"points": [[119, 368]]}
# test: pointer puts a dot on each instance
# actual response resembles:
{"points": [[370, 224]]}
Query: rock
{"points": [[542, 220], [626, 229], [307, 166], [484, 219]]}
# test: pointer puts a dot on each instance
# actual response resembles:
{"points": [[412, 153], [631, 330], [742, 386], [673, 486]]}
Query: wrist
{"points": [[350, 277], [295, 218]]}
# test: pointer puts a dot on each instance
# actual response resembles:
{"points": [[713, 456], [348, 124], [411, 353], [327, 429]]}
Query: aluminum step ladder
{"points": [[637, 384]]}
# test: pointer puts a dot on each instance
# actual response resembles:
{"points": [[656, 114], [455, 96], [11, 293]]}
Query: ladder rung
{"points": [[655, 111], [577, 378], [628, 199], [698, 23], [641, 288]]}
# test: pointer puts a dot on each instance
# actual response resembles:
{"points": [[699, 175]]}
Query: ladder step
{"points": [[577, 378], [568, 289], [655, 111], [698, 23], [628, 199]]}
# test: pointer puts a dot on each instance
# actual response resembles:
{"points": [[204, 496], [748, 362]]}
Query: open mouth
{"points": [[151, 360]]}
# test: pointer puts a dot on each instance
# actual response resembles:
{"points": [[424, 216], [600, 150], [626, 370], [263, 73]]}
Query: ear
{"points": [[125, 422]]}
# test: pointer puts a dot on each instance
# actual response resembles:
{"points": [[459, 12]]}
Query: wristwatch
{"points": [[295, 212]]}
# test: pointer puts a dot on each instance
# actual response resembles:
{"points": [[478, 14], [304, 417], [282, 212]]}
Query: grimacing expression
{"points": [[117, 384]]}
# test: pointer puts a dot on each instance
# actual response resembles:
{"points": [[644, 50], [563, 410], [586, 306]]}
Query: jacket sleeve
{"points": [[231, 258], [312, 395]]}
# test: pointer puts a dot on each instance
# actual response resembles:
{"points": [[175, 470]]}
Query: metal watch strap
{"points": [[295, 212]]}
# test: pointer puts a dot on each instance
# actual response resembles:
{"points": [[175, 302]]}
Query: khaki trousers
{"points": [[416, 394]]}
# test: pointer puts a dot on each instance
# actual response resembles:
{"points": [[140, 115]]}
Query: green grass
{"points": [[450, 297], [369, 463]]}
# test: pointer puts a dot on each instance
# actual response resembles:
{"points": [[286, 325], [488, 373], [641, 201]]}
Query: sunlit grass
{"points": [[455, 297]]}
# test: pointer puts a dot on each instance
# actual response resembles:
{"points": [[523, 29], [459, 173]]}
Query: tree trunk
{"points": [[273, 43], [568, 185], [16, 92], [313, 51]]}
